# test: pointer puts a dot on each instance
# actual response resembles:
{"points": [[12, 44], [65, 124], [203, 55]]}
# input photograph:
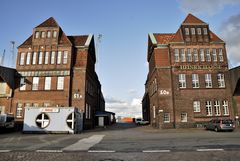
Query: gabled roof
{"points": [[8, 75], [51, 22], [27, 42], [190, 19], [178, 36], [63, 39], [163, 38], [78, 40], [214, 37]]}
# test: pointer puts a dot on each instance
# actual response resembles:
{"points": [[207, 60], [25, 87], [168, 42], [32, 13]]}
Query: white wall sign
{"points": [[50, 110]]}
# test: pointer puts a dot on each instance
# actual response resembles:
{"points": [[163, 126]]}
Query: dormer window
{"points": [[54, 34], [187, 31], [48, 34], [43, 34], [193, 31], [199, 32], [36, 34], [205, 31]]}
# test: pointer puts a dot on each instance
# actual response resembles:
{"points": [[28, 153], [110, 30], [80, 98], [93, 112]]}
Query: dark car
{"points": [[220, 125]]}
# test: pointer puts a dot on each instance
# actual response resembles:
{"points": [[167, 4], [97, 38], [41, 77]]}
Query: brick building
{"points": [[57, 70], [188, 81]]}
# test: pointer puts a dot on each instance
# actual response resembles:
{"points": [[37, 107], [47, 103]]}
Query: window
{"points": [[34, 58], [42, 120], [28, 58], [65, 57], [3, 87], [53, 57], [225, 108], [205, 31], [208, 81], [22, 84], [47, 83], [209, 108], [48, 34], [199, 32], [59, 57], [166, 117], [195, 81], [196, 106], [214, 55], [35, 104], [221, 81], [220, 54], [154, 112], [35, 83], [36, 34], [217, 109], [187, 31], [208, 56], [176, 55], [22, 58], [46, 104], [189, 55], [27, 104], [88, 111], [183, 56], [40, 57], [182, 81], [202, 58], [195, 55], [43, 34], [19, 112], [183, 117], [46, 57], [54, 34], [193, 31], [60, 83]]}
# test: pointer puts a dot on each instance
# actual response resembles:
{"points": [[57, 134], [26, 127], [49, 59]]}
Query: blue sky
{"points": [[124, 24]]}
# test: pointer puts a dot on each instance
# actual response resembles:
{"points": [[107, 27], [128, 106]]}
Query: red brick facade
{"points": [[57, 70], [188, 81]]}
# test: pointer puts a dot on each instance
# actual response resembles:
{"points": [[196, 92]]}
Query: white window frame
{"points": [[199, 31], [217, 109], [205, 32], [186, 31], [208, 56], [225, 108], [182, 80], [195, 81], [195, 55], [22, 84], [209, 108], [52, 61], [28, 58], [196, 106], [176, 55], [220, 54], [43, 34], [208, 80], [36, 34], [49, 34], [60, 83], [35, 83], [193, 31], [54, 34], [182, 55], [34, 59], [166, 117], [184, 117], [189, 55], [202, 55], [22, 58], [19, 110], [221, 80], [59, 57], [46, 57], [65, 57], [40, 57], [47, 85], [214, 54]]}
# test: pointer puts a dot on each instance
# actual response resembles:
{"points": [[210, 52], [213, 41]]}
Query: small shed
{"points": [[104, 118]]}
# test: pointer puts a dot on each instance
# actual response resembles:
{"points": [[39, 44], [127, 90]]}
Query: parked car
{"points": [[220, 125], [140, 121], [6, 121]]}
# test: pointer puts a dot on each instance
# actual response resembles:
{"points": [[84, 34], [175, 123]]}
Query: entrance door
{"points": [[100, 121]]}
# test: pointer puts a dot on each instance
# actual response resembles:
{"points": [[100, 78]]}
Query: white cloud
{"points": [[209, 7], [124, 108], [230, 32]]}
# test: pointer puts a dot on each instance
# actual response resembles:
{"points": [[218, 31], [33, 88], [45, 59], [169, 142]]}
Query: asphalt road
{"points": [[123, 142]]}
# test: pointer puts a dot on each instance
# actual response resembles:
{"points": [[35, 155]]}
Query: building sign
{"points": [[164, 92], [50, 110], [45, 73], [199, 67]]}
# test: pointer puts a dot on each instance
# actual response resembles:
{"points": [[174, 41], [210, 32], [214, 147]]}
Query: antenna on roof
{"points": [[2, 59], [13, 53]]}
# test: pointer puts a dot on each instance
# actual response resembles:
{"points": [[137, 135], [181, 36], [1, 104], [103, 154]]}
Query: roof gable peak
{"points": [[50, 22], [191, 19]]}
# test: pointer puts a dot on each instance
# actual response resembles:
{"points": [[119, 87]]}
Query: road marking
{"points": [[84, 144], [49, 151], [204, 150], [156, 151], [4, 151], [101, 151]]}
